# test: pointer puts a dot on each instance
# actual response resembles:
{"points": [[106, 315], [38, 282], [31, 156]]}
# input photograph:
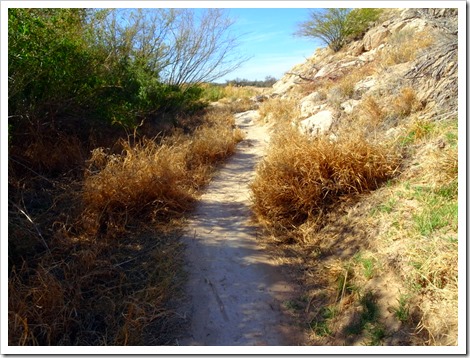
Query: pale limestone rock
{"points": [[356, 48], [310, 104], [407, 14], [319, 123], [375, 37], [284, 85], [415, 25], [365, 84], [349, 105]]}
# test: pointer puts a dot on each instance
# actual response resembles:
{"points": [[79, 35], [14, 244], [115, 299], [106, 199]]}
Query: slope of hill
{"points": [[358, 192]]}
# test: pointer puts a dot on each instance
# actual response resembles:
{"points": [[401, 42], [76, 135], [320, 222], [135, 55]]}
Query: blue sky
{"points": [[268, 39]]}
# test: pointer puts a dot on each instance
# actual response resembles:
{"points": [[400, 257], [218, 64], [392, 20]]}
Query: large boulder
{"points": [[319, 123]]}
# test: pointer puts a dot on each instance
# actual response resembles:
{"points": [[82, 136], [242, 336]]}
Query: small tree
{"points": [[328, 25], [336, 27]]}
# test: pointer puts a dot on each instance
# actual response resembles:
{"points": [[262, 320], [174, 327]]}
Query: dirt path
{"points": [[236, 291]]}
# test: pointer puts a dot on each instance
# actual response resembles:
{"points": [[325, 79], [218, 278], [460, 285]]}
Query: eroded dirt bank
{"points": [[236, 291]]}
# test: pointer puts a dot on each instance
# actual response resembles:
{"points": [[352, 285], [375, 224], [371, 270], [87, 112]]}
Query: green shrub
{"points": [[337, 27], [360, 20]]}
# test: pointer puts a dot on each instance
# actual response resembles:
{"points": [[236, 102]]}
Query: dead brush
{"points": [[279, 111], [405, 103], [155, 180], [302, 177], [404, 46], [371, 112], [54, 154], [145, 178]]}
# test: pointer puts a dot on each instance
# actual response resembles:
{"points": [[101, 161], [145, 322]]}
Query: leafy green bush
{"points": [[359, 21], [57, 69], [337, 27]]}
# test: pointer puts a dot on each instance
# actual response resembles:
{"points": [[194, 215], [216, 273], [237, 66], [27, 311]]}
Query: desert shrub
{"points": [[360, 20], [371, 110], [156, 179], [373, 114], [302, 177], [336, 27], [98, 261]]}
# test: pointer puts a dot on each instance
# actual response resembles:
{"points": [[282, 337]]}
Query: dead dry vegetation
{"points": [[366, 216], [94, 256]]}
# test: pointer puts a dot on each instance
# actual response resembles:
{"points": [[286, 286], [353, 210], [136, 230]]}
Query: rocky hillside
{"points": [[411, 48], [377, 256]]}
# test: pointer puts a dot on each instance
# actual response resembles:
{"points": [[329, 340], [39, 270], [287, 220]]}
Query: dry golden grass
{"points": [[302, 177], [279, 111], [346, 84], [404, 46], [110, 273], [372, 113], [380, 267], [405, 103]]}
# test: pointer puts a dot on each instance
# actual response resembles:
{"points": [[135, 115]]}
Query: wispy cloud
{"points": [[253, 37]]}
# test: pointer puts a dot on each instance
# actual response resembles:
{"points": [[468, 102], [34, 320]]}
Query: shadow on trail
{"points": [[236, 291]]}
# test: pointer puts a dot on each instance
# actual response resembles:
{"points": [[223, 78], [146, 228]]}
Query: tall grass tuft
{"points": [[302, 177]]}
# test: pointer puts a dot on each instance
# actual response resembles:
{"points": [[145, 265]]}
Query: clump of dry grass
{"points": [[156, 179], [404, 46], [405, 103], [345, 85], [302, 177], [373, 114], [146, 177], [279, 111]]}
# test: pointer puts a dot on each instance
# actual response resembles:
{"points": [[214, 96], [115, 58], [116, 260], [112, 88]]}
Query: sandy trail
{"points": [[236, 290]]}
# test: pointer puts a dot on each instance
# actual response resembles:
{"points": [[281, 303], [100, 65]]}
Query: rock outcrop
{"points": [[424, 43]]}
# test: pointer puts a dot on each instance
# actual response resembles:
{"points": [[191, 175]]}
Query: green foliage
{"points": [[438, 208], [328, 25], [46, 59], [62, 64], [336, 27], [368, 319], [402, 311], [320, 324], [359, 21]]}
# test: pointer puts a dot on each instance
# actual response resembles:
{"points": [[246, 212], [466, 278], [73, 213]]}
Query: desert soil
{"points": [[237, 293]]}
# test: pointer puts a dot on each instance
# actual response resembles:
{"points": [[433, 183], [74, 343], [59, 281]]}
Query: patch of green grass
{"points": [[448, 191], [438, 208], [418, 130], [293, 305], [320, 325], [402, 311], [452, 138], [385, 208], [368, 264], [375, 332], [437, 212]]}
